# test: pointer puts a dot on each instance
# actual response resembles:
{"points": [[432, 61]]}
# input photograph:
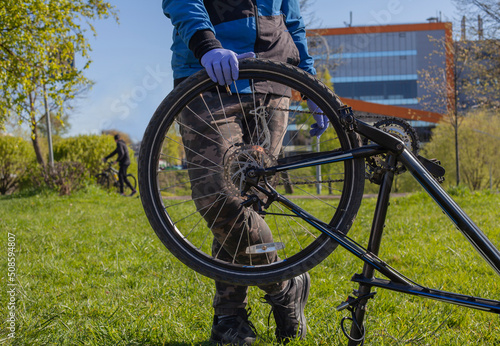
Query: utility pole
{"points": [[49, 128]]}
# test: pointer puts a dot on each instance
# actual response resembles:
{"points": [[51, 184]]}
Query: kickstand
{"points": [[352, 304]]}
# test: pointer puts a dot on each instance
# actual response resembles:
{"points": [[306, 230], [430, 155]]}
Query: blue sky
{"points": [[131, 60]]}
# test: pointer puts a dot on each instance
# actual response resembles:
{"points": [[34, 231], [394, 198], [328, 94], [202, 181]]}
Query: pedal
{"points": [[264, 248], [352, 302], [343, 305]]}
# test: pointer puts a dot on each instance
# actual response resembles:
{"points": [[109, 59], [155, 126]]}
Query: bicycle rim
{"points": [[132, 182], [187, 189]]}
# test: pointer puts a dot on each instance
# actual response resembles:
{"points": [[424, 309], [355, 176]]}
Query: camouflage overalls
{"points": [[226, 214]]}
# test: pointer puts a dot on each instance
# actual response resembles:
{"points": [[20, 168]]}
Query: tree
{"points": [[485, 11], [59, 124], [307, 14], [480, 144], [39, 41], [125, 137], [469, 79]]}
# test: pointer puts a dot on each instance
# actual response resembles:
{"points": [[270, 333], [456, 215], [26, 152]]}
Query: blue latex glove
{"points": [[222, 64], [322, 121]]}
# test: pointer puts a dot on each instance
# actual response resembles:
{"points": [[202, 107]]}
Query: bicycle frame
{"points": [[395, 151]]}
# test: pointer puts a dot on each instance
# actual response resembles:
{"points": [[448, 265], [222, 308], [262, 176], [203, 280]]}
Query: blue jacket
{"points": [[273, 29]]}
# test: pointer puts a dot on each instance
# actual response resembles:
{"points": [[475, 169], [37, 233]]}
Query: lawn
{"points": [[90, 271]]}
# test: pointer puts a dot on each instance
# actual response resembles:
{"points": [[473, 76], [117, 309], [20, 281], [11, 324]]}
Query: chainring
{"points": [[400, 129]]}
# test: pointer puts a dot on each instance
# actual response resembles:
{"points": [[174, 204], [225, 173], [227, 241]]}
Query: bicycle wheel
{"points": [[132, 181], [196, 149], [102, 180]]}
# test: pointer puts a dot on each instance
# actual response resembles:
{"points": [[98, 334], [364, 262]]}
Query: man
{"points": [[123, 161], [214, 35]]}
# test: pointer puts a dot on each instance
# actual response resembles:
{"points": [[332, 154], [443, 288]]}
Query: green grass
{"points": [[91, 271]]}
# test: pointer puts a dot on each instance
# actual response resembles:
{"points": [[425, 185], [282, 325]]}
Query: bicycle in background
{"points": [[108, 179]]}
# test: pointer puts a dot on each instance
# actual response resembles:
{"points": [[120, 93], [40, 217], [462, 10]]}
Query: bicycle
{"points": [[108, 179], [348, 152]]}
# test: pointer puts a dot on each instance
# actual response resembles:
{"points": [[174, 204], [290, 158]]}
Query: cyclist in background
{"points": [[214, 35], [123, 161]]}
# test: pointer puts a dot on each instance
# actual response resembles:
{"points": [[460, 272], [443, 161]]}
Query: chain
{"points": [[374, 116], [357, 116], [312, 182]]}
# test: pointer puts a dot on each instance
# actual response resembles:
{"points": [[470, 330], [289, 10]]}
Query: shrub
{"points": [[16, 155], [89, 150], [64, 177]]}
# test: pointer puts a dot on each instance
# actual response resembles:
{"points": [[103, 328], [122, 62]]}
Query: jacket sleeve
{"points": [[297, 29], [192, 22], [112, 154]]}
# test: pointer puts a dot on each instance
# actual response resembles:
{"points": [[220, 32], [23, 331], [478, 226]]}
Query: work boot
{"points": [[288, 309], [233, 330]]}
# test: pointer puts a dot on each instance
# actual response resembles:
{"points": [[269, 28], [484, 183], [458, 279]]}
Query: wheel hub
{"points": [[239, 160]]}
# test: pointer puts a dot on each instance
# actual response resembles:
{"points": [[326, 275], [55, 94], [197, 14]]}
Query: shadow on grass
{"points": [[177, 343], [27, 193]]}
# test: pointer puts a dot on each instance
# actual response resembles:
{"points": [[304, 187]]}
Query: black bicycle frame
{"points": [[395, 150]]}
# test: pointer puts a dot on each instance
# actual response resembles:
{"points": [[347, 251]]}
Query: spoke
{"points": [[248, 239], [241, 105], [254, 97], [188, 200], [224, 112], [186, 182], [222, 195], [315, 197], [215, 164], [305, 229], [297, 132], [201, 134], [224, 242], [254, 103], [218, 131], [213, 119], [191, 163], [291, 182], [329, 140], [202, 217], [278, 229], [285, 129]]}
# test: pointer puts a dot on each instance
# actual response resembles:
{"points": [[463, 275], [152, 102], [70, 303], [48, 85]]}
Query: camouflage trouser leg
{"points": [[223, 213]]}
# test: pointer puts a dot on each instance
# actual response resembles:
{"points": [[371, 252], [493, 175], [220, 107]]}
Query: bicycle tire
{"points": [[133, 181], [102, 180], [165, 190]]}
